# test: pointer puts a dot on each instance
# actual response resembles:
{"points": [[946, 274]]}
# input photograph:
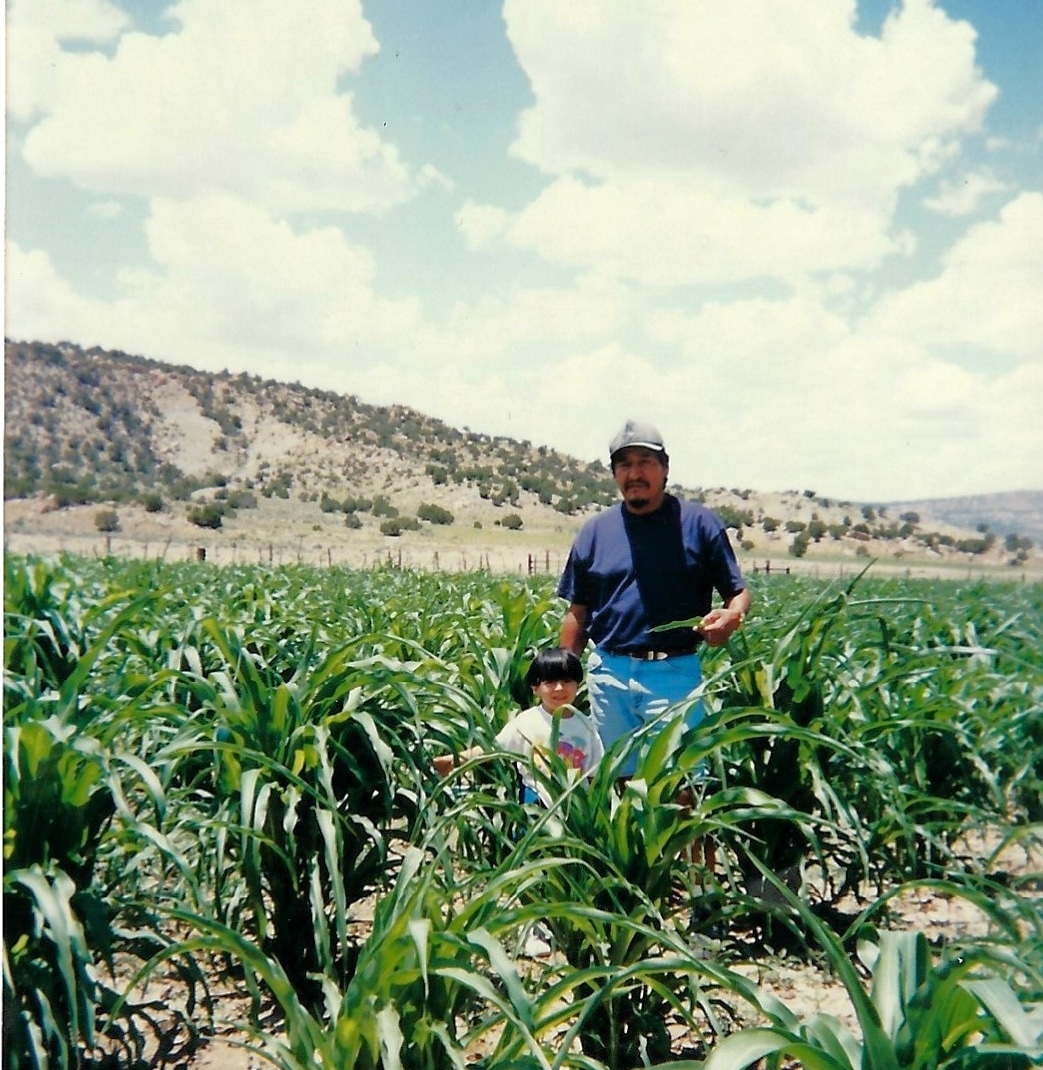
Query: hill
{"points": [[110, 452], [1018, 512]]}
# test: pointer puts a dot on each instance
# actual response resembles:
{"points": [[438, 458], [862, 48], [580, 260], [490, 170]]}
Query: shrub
{"points": [[242, 499], [107, 520], [435, 514], [206, 515], [395, 525], [799, 546], [512, 522]]}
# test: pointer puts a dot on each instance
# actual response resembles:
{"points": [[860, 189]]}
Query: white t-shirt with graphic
{"points": [[529, 734]]}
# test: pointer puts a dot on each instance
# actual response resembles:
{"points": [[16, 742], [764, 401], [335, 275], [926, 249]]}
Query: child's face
{"points": [[553, 694]]}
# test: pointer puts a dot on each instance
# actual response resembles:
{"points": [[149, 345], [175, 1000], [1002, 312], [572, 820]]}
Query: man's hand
{"points": [[719, 625]]}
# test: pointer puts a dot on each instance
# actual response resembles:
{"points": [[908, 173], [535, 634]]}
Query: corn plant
{"points": [[58, 804], [299, 792], [917, 718], [610, 868], [193, 755], [956, 1009]]}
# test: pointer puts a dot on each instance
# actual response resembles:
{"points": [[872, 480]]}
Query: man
{"points": [[653, 560]]}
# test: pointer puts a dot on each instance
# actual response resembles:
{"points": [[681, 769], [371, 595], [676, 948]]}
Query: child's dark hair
{"points": [[555, 664]]}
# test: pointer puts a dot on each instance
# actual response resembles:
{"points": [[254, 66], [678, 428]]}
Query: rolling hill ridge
{"points": [[166, 452]]}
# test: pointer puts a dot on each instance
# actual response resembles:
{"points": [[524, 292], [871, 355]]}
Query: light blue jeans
{"points": [[626, 694]]}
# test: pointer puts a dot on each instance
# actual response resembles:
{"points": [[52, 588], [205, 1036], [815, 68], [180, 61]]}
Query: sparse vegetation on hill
{"points": [[95, 426], [164, 447]]}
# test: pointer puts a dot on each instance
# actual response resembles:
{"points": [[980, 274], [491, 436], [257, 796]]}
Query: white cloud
{"points": [[228, 102], [964, 197], [540, 316], [685, 146], [661, 232], [105, 209], [41, 304], [987, 294], [754, 137], [232, 287], [736, 92], [785, 394], [481, 224], [36, 30]]}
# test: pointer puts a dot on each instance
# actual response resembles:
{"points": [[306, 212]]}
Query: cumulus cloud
{"points": [[229, 287], [735, 92], [660, 232], [42, 304], [481, 224], [105, 209], [226, 102], [36, 32], [723, 108], [986, 294], [689, 153], [964, 197], [778, 394]]}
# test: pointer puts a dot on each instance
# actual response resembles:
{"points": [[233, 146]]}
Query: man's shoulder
{"points": [[602, 520], [695, 510]]}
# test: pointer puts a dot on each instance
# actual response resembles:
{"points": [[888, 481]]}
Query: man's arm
{"points": [[574, 629]]}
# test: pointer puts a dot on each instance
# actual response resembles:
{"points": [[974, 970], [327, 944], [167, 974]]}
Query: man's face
{"points": [[641, 477]]}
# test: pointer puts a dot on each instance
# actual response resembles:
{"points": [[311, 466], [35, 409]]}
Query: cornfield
{"points": [[221, 778]]}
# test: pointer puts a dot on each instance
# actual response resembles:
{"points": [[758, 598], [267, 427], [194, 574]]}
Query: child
{"points": [[555, 725], [554, 676]]}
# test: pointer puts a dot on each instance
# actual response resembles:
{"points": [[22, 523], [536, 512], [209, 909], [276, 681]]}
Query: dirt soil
{"points": [[805, 988], [279, 532]]}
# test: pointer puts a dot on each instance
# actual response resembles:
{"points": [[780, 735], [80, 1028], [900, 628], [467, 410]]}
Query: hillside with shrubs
{"points": [[129, 447]]}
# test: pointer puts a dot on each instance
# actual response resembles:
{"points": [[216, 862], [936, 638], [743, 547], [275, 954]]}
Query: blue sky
{"points": [[804, 237]]}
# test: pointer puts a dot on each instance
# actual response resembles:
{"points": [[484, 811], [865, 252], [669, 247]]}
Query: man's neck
{"points": [[653, 505]]}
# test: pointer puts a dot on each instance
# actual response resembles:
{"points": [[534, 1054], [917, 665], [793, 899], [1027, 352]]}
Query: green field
{"points": [[221, 777]]}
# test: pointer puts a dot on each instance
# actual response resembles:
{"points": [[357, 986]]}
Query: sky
{"points": [[804, 238]]}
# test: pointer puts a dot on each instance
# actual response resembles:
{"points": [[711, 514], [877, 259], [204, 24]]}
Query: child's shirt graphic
{"points": [[529, 735]]}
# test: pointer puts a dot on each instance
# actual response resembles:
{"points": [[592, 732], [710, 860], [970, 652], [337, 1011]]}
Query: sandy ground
{"points": [[280, 532], [803, 987]]}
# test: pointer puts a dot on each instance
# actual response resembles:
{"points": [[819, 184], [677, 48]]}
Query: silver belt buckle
{"points": [[656, 655]]}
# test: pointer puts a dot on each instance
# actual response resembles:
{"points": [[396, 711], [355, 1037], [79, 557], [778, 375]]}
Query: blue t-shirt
{"points": [[634, 572]]}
